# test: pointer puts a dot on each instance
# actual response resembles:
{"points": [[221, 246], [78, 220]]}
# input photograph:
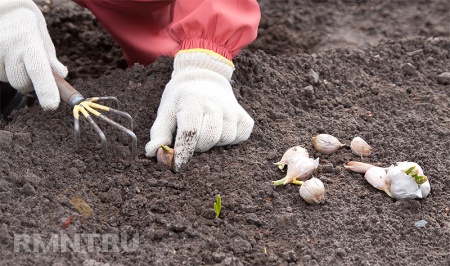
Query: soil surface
{"points": [[346, 68]]}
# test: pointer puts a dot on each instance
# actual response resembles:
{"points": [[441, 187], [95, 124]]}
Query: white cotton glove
{"points": [[199, 104], [27, 54]]}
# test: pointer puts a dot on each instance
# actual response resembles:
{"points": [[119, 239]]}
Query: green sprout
{"points": [[218, 206], [165, 148], [414, 173]]}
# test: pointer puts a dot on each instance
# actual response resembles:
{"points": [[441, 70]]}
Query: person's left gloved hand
{"points": [[27, 53], [199, 104]]}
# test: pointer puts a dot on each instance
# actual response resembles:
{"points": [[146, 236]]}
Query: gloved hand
{"points": [[27, 54], [200, 105]]}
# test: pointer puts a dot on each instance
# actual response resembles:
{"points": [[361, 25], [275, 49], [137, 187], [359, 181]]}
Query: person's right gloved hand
{"points": [[199, 105], [27, 54]]}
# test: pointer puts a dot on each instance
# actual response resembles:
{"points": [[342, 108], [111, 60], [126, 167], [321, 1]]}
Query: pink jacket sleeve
{"points": [[147, 29]]}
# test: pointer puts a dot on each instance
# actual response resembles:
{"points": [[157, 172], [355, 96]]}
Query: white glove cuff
{"points": [[202, 59]]}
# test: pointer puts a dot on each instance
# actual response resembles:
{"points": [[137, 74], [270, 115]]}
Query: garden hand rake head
{"points": [[88, 107]]}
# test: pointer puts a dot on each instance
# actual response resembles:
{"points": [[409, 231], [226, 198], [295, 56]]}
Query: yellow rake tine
{"points": [[87, 106], [109, 109], [76, 126], [124, 129], [104, 98], [123, 114], [89, 109], [100, 134], [80, 108], [77, 109], [93, 99], [84, 112], [98, 106]]}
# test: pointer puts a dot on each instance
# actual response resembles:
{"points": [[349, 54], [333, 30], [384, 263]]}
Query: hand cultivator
{"points": [[88, 107]]}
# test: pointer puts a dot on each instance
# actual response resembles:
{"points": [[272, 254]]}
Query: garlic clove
{"points": [[290, 154], [313, 191], [358, 167], [164, 155], [406, 180], [377, 177], [301, 169], [326, 144], [360, 147]]}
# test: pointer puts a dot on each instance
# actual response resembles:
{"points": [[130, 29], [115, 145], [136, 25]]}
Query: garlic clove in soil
{"points": [[377, 177], [290, 154], [360, 147], [300, 168], [358, 167], [326, 144], [164, 155], [313, 191], [407, 181]]}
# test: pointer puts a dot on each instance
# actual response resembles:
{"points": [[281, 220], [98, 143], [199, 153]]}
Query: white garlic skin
{"points": [[301, 168], [313, 191], [425, 189], [291, 154], [358, 167], [403, 186], [360, 147], [326, 144]]}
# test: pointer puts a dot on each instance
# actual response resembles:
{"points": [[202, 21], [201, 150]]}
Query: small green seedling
{"points": [[218, 206]]}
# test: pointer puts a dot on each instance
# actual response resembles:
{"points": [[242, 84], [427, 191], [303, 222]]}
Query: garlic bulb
{"points": [[164, 155], [360, 147], [291, 154], [376, 176], [326, 144], [299, 168], [313, 191], [407, 181], [358, 167]]}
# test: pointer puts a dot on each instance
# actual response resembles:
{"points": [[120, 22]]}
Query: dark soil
{"points": [[377, 64]]}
